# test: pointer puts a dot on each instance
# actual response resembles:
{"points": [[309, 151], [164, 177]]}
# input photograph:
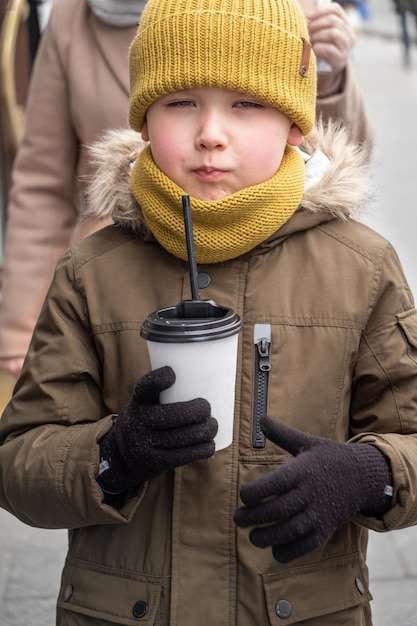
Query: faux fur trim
{"points": [[108, 192], [343, 190]]}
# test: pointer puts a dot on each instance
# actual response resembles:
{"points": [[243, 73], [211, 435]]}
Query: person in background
{"points": [[164, 529], [80, 88], [406, 9], [338, 94]]}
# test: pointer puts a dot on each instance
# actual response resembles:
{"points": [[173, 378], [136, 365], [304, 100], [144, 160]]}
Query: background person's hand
{"points": [[149, 438], [332, 37], [13, 366], [303, 502]]}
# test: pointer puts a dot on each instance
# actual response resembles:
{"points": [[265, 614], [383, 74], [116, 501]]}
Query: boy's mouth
{"points": [[209, 173]]}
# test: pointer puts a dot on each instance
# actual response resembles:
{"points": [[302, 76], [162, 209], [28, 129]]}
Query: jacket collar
{"points": [[113, 45]]}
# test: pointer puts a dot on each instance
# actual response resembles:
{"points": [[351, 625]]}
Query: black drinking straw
{"points": [[189, 237]]}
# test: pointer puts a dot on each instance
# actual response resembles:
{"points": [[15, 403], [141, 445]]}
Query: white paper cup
{"points": [[200, 344]]}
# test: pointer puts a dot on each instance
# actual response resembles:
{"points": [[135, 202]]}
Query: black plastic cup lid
{"points": [[189, 321]]}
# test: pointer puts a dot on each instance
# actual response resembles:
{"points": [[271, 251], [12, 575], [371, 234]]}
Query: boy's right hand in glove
{"points": [[149, 438]]}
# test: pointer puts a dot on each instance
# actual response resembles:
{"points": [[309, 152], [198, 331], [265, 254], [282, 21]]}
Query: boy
{"points": [[163, 529], [44, 215]]}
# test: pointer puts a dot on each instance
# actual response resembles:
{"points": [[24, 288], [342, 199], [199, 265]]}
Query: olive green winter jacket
{"points": [[341, 342]]}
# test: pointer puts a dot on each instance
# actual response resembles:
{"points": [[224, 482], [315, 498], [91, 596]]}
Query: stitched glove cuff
{"points": [[377, 479], [114, 477]]}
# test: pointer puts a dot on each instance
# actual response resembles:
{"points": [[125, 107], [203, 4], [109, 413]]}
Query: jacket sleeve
{"points": [[384, 394], [349, 107], [49, 432], [42, 209]]}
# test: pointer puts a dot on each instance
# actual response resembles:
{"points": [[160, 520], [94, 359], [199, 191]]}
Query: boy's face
{"points": [[213, 142]]}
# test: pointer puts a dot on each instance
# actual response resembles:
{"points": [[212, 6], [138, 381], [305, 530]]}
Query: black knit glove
{"points": [[149, 438], [305, 500]]}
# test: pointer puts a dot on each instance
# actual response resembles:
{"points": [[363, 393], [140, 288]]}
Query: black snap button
{"points": [[68, 591], [283, 609], [140, 608], [203, 279], [360, 586]]}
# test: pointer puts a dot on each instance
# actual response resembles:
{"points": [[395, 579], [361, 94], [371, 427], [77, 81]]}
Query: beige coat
{"points": [[79, 89], [343, 365]]}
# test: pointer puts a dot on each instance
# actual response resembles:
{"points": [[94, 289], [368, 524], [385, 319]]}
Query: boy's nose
{"points": [[211, 132]]}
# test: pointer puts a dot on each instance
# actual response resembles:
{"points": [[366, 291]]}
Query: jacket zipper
{"points": [[262, 342]]}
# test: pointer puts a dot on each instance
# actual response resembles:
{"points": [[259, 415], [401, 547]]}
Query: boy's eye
{"points": [[248, 104], [180, 103]]}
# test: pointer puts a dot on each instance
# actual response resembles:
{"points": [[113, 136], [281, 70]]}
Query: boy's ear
{"points": [[295, 136], [144, 132]]}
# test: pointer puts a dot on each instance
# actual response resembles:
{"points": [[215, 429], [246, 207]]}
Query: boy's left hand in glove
{"points": [[308, 498]]}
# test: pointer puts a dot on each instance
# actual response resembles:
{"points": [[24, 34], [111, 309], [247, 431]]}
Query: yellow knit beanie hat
{"points": [[256, 47]]}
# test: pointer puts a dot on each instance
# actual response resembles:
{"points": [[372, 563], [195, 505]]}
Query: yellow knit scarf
{"points": [[223, 229]]}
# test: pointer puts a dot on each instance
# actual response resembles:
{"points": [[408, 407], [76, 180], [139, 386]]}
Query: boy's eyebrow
{"points": [[305, 57]]}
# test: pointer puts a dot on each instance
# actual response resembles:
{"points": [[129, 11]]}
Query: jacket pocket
{"points": [[408, 323], [318, 591], [110, 595]]}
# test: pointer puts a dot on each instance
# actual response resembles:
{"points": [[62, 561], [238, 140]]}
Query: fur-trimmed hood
{"points": [[337, 172]]}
